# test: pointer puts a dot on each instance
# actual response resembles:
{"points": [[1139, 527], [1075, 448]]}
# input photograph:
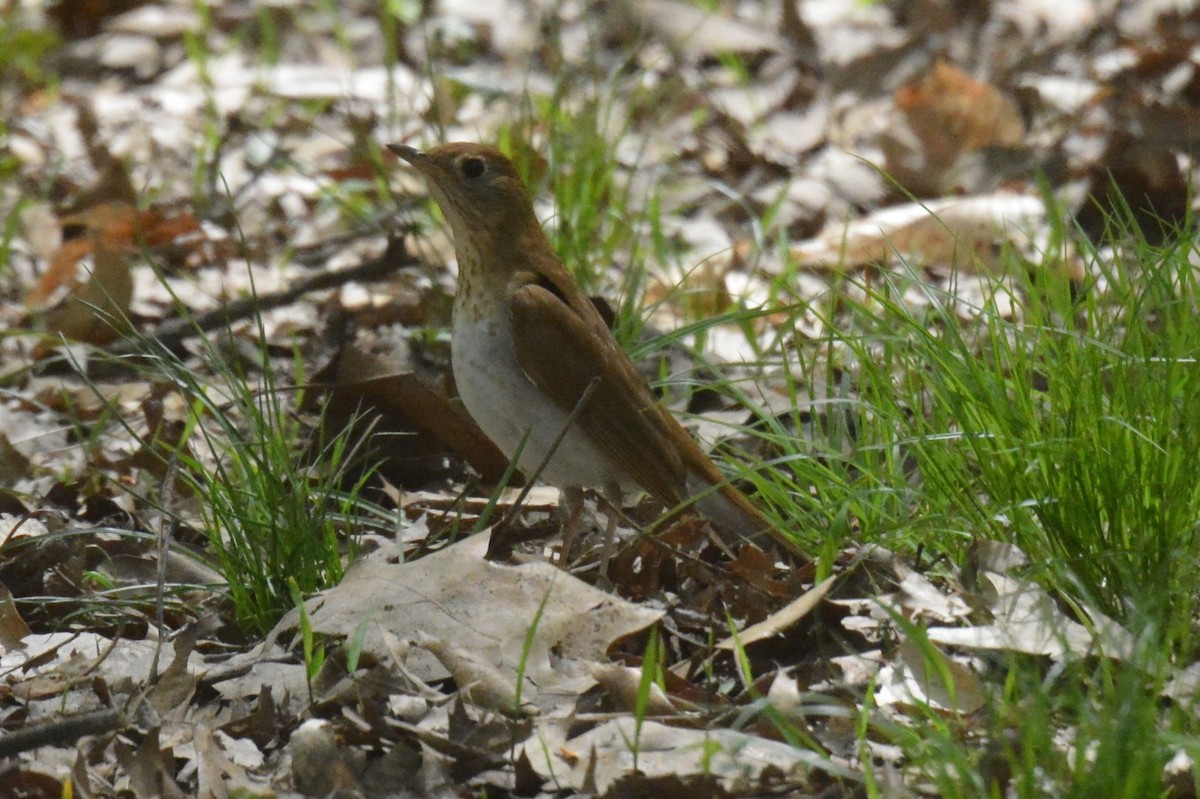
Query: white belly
{"points": [[509, 409]]}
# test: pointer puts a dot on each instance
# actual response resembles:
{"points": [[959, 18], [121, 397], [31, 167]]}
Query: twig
{"points": [[511, 516], [61, 731], [171, 333], [500, 542], [167, 528]]}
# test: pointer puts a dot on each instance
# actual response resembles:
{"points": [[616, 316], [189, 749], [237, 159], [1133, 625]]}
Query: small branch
{"points": [[511, 516], [171, 333], [61, 731], [501, 541]]}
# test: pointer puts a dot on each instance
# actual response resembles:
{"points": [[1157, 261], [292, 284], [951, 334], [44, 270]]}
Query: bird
{"points": [[540, 372]]}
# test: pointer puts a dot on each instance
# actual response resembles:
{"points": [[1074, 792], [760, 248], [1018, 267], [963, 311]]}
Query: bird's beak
{"points": [[410, 154], [419, 160]]}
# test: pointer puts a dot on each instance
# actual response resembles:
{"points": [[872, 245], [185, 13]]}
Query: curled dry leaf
{"points": [[785, 617], [221, 763], [146, 765], [89, 303], [1027, 619], [12, 627], [919, 598], [623, 683], [961, 112], [398, 403], [480, 682], [178, 682], [48, 661]]}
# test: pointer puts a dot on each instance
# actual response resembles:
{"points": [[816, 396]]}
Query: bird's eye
{"points": [[472, 167]]}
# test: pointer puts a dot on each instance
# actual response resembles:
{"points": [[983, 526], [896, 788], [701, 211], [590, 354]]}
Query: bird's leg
{"points": [[570, 504], [612, 495]]}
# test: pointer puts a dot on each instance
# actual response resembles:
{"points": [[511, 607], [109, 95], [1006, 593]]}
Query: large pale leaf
{"points": [[486, 608]]}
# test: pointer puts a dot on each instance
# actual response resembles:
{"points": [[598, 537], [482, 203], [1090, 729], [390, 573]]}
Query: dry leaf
{"points": [[953, 113], [150, 767], [941, 680], [945, 115], [12, 627], [479, 682], [486, 609], [964, 233], [1027, 619], [783, 618], [416, 423], [319, 766], [734, 758], [89, 301], [702, 34], [623, 684]]}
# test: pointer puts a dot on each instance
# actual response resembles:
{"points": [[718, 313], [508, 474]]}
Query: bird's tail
{"points": [[735, 516]]}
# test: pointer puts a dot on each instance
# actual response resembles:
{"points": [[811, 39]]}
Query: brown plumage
{"points": [[527, 343]]}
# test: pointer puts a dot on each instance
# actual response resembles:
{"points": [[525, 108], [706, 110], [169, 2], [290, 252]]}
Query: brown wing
{"points": [[621, 416]]}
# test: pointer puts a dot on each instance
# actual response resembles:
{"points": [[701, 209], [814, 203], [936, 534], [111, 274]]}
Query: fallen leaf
{"points": [[485, 608], [1027, 619], [946, 115], [701, 34], [150, 767], [940, 679], [623, 684], [320, 767], [86, 290], [414, 423], [12, 627], [959, 233], [89, 302], [655, 749], [479, 682], [955, 112], [783, 618]]}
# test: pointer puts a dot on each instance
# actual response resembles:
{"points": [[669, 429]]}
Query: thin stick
{"points": [[532, 478], [60, 731], [171, 333]]}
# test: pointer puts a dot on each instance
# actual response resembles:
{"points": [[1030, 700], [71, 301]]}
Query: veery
{"points": [[527, 343]]}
